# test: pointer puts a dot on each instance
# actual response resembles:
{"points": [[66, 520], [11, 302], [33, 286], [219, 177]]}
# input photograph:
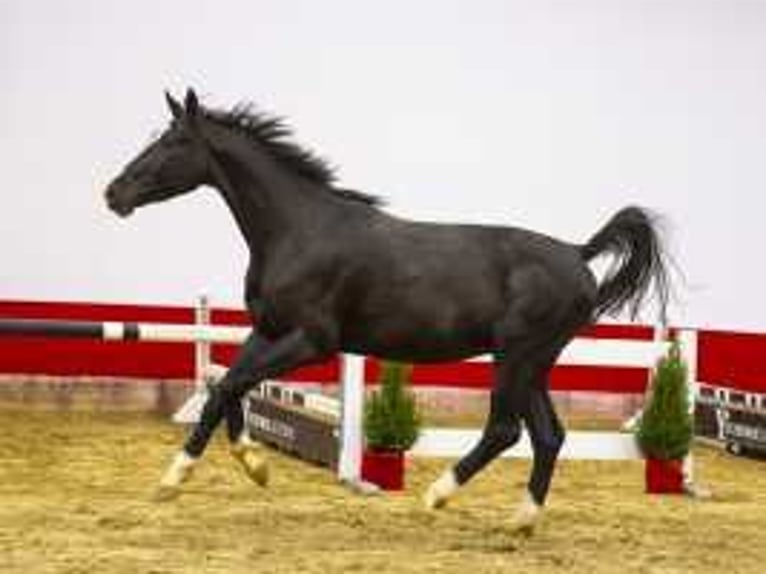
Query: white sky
{"points": [[546, 114]]}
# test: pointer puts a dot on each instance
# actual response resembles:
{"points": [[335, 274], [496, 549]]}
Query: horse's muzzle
{"points": [[115, 199]]}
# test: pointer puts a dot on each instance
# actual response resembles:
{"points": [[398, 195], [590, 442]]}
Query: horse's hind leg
{"points": [[546, 432], [501, 431], [519, 336], [530, 346], [547, 436]]}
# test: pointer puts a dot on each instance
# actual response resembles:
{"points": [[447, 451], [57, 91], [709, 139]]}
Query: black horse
{"points": [[330, 271]]}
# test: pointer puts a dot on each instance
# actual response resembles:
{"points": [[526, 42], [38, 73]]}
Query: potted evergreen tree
{"points": [[665, 430], [391, 426]]}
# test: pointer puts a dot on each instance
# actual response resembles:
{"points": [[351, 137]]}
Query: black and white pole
{"points": [[118, 331]]}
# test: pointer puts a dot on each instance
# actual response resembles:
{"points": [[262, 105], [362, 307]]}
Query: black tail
{"points": [[631, 236]]}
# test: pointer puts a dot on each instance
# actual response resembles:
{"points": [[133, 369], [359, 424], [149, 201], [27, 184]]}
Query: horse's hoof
{"points": [[433, 501], [440, 491], [254, 465], [697, 491], [362, 487], [165, 493], [526, 531], [179, 471], [527, 516]]}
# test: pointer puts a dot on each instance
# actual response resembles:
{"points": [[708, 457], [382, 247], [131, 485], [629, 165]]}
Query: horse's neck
{"points": [[267, 204], [237, 196]]}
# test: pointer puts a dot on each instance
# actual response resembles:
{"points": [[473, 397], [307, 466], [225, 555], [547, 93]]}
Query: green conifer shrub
{"points": [[665, 429], [391, 417]]}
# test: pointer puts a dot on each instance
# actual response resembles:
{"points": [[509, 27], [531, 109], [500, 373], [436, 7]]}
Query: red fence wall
{"points": [[728, 359], [733, 360]]}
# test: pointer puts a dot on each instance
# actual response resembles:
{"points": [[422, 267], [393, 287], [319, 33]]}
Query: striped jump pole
{"points": [[201, 334], [119, 331]]}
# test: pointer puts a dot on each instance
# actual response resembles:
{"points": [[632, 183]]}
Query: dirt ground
{"points": [[75, 497]]}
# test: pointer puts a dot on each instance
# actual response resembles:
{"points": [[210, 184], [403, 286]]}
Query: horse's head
{"points": [[174, 164]]}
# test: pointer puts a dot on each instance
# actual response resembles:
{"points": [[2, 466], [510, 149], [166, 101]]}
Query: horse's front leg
{"points": [[259, 358]]}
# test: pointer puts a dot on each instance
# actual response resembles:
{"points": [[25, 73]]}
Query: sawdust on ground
{"points": [[75, 497]]}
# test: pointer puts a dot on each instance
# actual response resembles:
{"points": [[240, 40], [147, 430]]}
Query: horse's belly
{"points": [[429, 354], [412, 342]]}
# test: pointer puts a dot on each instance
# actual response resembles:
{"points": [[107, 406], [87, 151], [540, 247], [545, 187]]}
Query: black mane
{"points": [[275, 136]]}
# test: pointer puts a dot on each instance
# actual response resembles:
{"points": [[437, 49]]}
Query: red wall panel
{"points": [[736, 360]]}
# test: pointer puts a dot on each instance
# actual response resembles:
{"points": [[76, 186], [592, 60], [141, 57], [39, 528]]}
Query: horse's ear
{"points": [[192, 104], [175, 108]]}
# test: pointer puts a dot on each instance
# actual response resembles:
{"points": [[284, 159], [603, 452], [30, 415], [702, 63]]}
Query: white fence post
{"points": [[352, 407], [688, 340], [689, 351], [189, 412], [201, 347]]}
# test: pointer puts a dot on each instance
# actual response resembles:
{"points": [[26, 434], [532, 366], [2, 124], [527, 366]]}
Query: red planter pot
{"points": [[664, 476], [384, 468]]}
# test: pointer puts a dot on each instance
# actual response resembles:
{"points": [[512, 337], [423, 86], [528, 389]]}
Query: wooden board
{"points": [[294, 431]]}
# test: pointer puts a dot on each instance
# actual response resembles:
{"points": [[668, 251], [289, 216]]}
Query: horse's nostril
{"points": [[111, 195], [111, 189]]}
